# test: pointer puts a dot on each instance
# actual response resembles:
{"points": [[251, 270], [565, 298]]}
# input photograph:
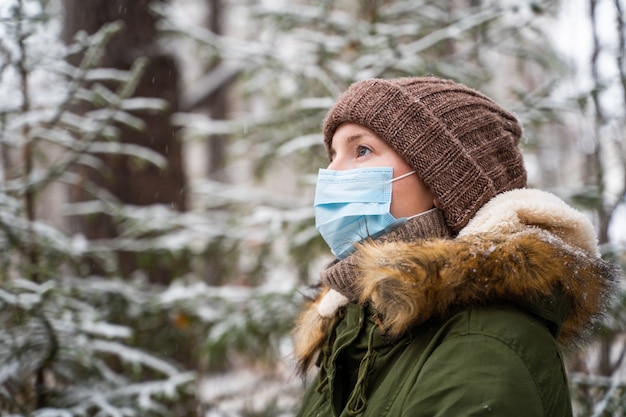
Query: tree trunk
{"points": [[130, 181], [218, 106]]}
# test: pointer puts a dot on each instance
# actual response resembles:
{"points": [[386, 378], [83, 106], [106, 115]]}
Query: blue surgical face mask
{"points": [[354, 204]]}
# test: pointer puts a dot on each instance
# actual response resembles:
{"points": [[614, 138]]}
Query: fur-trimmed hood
{"points": [[525, 247]]}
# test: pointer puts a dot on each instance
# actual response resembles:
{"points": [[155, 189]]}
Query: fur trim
{"points": [[330, 303], [516, 210], [411, 283], [310, 333]]}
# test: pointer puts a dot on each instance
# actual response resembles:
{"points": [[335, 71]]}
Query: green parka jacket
{"points": [[470, 326]]}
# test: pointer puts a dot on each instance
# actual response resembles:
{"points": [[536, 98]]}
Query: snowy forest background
{"points": [[158, 159]]}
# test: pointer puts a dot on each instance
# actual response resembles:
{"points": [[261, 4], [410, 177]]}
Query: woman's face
{"points": [[355, 146]]}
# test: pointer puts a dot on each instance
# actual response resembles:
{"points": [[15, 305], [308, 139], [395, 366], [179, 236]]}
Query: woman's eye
{"points": [[362, 151]]}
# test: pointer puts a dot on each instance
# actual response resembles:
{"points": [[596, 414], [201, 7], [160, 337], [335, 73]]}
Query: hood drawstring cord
{"points": [[358, 399], [325, 358]]}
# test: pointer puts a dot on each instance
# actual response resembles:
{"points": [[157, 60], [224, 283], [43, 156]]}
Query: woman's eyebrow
{"points": [[354, 137]]}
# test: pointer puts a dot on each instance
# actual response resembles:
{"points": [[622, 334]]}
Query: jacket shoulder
{"points": [[498, 360]]}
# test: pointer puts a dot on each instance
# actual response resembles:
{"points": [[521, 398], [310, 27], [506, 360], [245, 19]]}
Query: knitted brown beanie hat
{"points": [[461, 143]]}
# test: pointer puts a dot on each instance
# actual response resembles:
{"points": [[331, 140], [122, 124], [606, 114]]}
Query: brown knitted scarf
{"points": [[340, 274]]}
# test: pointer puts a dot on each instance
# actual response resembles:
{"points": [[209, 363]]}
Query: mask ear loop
{"points": [[401, 176]]}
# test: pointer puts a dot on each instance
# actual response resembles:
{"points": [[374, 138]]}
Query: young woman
{"points": [[455, 288]]}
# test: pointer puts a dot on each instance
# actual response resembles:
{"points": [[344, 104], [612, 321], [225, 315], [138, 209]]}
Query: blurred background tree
{"points": [[126, 178], [186, 137]]}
